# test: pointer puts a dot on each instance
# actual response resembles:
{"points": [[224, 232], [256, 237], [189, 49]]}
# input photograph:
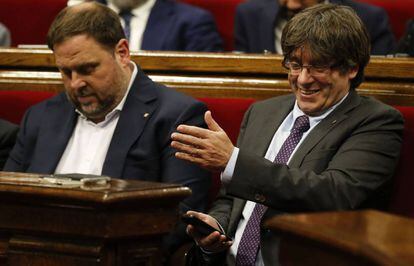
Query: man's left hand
{"points": [[210, 148]]}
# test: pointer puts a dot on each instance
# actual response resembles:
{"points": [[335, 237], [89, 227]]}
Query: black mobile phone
{"points": [[201, 226]]}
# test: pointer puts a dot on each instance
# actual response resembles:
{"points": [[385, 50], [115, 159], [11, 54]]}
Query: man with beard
{"points": [[259, 24], [112, 119], [321, 148], [166, 25]]}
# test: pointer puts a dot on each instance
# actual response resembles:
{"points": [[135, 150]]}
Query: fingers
{"points": [[186, 139], [214, 242], [193, 131], [211, 123]]}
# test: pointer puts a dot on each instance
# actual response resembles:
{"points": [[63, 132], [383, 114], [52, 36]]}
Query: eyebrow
{"points": [[81, 67]]}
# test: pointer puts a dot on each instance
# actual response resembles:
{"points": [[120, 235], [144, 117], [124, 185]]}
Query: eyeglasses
{"points": [[313, 70]]}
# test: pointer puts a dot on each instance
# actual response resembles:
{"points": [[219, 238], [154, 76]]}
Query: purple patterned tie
{"points": [[250, 240]]}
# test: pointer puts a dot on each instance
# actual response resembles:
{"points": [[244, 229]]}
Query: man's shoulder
{"points": [[7, 128], [55, 100], [372, 105], [362, 9], [58, 101], [256, 5], [278, 101], [187, 9], [172, 99]]}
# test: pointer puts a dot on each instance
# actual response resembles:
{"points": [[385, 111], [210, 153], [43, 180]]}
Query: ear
{"points": [[353, 72], [122, 52]]}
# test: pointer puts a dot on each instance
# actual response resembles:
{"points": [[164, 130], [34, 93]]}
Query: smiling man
{"points": [[321, 148], [112, 119]]}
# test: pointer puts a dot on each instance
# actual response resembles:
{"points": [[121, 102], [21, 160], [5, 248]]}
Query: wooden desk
{"points": [[121, 224], [345, 238]]}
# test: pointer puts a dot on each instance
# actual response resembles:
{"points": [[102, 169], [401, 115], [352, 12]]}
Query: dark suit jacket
{"points": [[255, 22], [346, 162], [406, 43], [174, 26], [8, 133], [139, 149]]}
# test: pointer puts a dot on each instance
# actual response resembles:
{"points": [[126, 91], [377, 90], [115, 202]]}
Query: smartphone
{"points": [[201, 226]]}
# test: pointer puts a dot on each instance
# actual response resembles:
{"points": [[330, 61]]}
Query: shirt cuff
{"points": [[227, 174]]}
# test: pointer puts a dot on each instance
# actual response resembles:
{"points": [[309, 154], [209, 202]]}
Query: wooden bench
{"points": [[210, 75]]}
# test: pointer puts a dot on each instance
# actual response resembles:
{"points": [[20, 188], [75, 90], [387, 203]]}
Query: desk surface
{"points": [[118, 191], [376, 237]]}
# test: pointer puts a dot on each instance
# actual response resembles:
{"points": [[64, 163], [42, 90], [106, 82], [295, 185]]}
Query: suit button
{"points": [[260, 198]]}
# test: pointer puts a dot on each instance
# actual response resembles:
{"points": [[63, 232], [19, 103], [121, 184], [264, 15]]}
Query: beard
{"points": [[96, 109], [127, 4]]}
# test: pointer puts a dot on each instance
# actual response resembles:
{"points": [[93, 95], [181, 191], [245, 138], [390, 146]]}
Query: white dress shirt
{"points": [[138, 22], [86, 150], [277, 141]]}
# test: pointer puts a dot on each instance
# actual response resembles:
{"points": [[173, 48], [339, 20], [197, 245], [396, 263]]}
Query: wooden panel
{"points": [[344, 238], [119, 223], [210, 74]]}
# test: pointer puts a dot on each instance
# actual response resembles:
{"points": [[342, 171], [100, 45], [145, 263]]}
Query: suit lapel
{"points": [[324, 127], [135, 114], [56, 128], [270, 123], [158, 25]]}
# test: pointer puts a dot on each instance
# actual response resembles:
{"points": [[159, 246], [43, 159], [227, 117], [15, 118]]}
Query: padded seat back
{"points": [[29, 20], [15, 103], [402, 201]]}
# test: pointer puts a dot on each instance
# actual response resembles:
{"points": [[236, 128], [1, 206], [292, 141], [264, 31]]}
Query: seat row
{"points": [[30, 27]]}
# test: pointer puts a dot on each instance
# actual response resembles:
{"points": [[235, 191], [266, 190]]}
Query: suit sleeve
{"points": [[8, 133], [342, 176], [16, 161], [202, 34]]}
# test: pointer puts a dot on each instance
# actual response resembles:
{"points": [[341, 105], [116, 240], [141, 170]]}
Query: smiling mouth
{"points": [[308, 91]]}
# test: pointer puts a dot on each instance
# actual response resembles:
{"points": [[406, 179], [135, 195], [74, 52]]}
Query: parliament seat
{"points": [[29, 20]]}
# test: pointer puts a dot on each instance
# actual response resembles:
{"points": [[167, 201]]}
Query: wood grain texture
{"points": [[344, 238], [257, 76], [119, 224]]}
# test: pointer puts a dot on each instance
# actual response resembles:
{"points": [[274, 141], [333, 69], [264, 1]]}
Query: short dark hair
{"points": [[333, 34], [93, 19]]}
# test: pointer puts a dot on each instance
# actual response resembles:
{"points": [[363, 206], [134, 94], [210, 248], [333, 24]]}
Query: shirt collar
{"points": [[315, 119], [139, 11]]}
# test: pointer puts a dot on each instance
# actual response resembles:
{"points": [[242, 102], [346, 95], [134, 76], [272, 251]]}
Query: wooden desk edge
{"points": [[294, 225]]}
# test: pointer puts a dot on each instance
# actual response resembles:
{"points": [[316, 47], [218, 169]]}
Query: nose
{"points": [[76, 81], [305, 77]]}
